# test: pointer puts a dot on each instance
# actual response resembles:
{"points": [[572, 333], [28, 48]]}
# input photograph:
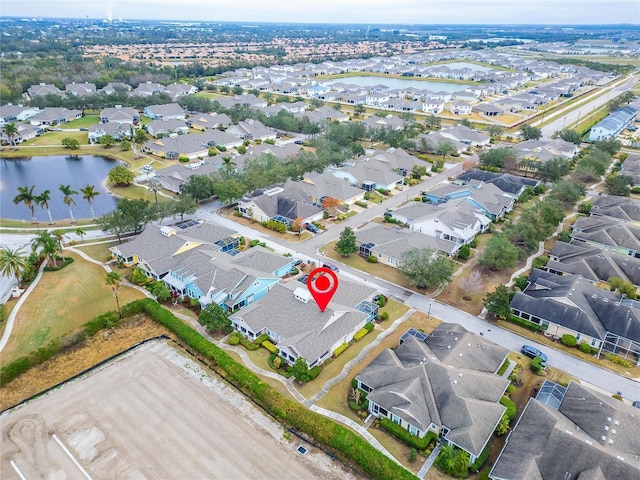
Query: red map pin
{"points": [[322, 284]]}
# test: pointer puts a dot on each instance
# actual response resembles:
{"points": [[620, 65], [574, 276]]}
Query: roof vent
{"points": [[611, 442]]}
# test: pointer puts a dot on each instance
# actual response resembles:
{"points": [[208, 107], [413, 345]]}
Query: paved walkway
{"points": [[429, 462]]}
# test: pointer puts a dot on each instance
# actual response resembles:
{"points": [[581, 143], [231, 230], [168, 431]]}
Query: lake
{"points": [[393, 83], [48, 173]]}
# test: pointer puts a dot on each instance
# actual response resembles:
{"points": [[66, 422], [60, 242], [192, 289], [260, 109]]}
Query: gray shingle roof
{"points": [[504, 181], [567, 443], [593, 263], [574, 302], [622, 208], [412, 384], [607, 231], [394, 241]]}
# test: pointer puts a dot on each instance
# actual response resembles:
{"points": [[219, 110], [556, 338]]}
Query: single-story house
{"points": [[44, 89], [80, 89], [55, 116], [119, 131], [166, 127], [389, 243], [146, 89], [274, 204], [571, 304], [593, 263], [251, 130], [120, 114], [368, 173], [16, 113], [466, 135], [444, 383], [486, 197], [305, 331], [24, 132], [590, 435], [169, 111], [609, 233], [613, 124], [622, 208], [509, 184]]}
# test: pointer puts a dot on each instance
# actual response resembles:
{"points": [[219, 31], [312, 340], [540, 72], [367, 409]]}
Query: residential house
{"points": [[16, 113], [460, 107], [613, 124], [251, 130], [543, 150], [173, 177], [622, 208], [487, 109], [54, 116], [466, 135], [170, 111], [119, 131], [589, 435], [201, 261], [397, 159], [119, 114], [433, 106], [305, 331], [177, 90], [389, 243], [509, 184], [316, 187], [164, 127], [24, 132], [323, 114], [115, 87], [369, 174], [593, 263], [572, 305], [44, 89], [488, 198], [608, 233], [431, 141], [274, 204], [190, 145], [80, 89], [147, 89], [631, 167], [392, 122], [207, 121], [454, 221], [444, 383]]}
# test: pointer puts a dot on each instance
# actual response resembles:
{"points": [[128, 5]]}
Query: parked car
{"points": [[84, 129], [312, 228], [331, 266], [533, 352], [636, 404]]}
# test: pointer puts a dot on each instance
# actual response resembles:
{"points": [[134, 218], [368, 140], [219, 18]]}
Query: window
{"points": [[578, 335], [593, 342]]}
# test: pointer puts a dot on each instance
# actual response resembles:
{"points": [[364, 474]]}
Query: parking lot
{"points": [[152, 413]]}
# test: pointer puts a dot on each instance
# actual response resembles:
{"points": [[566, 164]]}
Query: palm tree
{"points": [[13, 263], [10, 130], [228, 165], [67, 192], [47, 247], [80, 232], [155, 186], [58, 235], [114, 279], [89, 193], [43, 202], [26, 196]]}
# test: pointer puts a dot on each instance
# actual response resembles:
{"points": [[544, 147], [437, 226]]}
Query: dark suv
{"points": [[533, 352], [331, 266]]}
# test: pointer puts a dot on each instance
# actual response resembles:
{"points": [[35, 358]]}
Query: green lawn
{"points": [[55, 138], [82, 122], [61, 303], [99, 251]]}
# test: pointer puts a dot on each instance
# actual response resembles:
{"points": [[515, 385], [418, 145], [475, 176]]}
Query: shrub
{"points": [[503, 368], [253, 243], [369, 326], [270, 346], [524, 323], [511, 407], [584, 347], [569, 340], [612, 357], [362, 204], [314, 372], [406, 437], [484, 455], [382, 300], [384, 315], [183, 159], [536, 365], [234, 339], [360, 334], [464, 252], [340, 349], [372, 259], [194, 302]]}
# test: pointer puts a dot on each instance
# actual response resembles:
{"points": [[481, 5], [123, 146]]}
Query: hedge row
{"points": [[349, 446], [406, 437], [270, 346], [360, 334], [340, 349], [524, 323], [511, 407]]}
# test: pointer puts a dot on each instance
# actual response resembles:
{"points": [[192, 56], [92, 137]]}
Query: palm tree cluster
{"points": [[30, 199]]}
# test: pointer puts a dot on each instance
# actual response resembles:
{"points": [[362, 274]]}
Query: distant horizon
{"points": [[352, 12], [277, 22]]}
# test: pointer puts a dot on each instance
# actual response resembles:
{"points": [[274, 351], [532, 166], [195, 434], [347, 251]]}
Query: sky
{"points": [[550, 12]]}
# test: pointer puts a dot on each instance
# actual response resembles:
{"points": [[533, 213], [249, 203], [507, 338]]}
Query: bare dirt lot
{"points": [[152, 413]]}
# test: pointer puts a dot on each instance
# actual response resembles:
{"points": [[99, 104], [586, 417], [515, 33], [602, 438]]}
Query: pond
{"points": [[48, 173], [393, 83]]}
